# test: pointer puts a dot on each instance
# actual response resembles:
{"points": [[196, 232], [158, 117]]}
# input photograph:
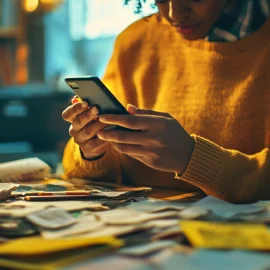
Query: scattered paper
{"points": [[110, 194], [153, 206], [23, 208], [51, 218], [127, 216], [115, 262], [84, 224], [174, 231], [31, 246], [145, 249], [163, 223], [213, 260], [261, 217], [193, 213], [110, 230], [227, 235], [6, 189], [227, 210]]}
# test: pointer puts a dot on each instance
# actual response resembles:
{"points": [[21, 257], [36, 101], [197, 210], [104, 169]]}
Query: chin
{"points": [[196, 35]]}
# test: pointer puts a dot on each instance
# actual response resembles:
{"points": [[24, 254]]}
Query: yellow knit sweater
{"points": [[219, 92]]}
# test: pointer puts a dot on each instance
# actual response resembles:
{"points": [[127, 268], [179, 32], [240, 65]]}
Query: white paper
{"points": [[261, 217], [110, 194], [23, 208], [164, 223], [51, 218], [127, 216], [23, 170], [144, 249], [154, 205], [84, 224], [165, 233], [227, 210], [111, 230], [193, 212], [6, 189]]}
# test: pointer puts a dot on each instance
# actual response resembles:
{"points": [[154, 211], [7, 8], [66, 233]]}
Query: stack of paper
{"points": [[37, 253], [23, 170], [6, 189]]}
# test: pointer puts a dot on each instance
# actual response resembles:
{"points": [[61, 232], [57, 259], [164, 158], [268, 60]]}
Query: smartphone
{"points": [[92, 90]]}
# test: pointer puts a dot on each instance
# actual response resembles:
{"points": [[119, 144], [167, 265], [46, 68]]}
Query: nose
{"points": [[179, 10]]}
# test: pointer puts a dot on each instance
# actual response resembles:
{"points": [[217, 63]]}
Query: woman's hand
{"points": [[84, 128], [158, 140]]}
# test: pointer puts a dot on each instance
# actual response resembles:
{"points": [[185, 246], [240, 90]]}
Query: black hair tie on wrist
{"points": [[94, 158]]}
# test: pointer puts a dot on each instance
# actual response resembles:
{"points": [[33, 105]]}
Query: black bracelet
{"points": [[94, 158]]}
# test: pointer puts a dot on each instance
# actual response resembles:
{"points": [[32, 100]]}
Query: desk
{"points": [[177, 251]]}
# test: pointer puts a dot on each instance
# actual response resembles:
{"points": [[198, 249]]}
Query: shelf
{"points": [[7, 33]]}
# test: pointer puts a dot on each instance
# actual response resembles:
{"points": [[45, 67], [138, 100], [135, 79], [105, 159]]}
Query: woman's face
{"points": [[193, 19]]}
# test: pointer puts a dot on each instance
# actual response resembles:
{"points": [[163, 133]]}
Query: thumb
{"points": [[134, 110]]}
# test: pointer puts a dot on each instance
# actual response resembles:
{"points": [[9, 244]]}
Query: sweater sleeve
{"points": [[75, 166], [229, 174], [108, 168]]}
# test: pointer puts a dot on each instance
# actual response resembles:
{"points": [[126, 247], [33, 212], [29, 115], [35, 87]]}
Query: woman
{"points": [[205, 64]]}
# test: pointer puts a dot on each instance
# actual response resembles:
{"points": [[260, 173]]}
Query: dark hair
{"points": [[138, 6]]}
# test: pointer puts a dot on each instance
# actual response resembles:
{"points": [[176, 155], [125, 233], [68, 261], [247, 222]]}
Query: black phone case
{"points": [[92, 90]]}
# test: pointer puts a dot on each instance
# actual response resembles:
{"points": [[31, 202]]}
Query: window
{"points": [[91, 19]]}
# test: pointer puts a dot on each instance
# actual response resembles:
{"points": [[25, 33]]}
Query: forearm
{"points": [[105, 169], [229, 174]]}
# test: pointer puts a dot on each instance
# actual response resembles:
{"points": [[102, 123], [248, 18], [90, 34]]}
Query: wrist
{"points": [[93, 158], [187, 157]]}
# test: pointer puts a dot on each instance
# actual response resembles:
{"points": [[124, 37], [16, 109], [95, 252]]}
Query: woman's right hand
{"points": [[84, 128]]}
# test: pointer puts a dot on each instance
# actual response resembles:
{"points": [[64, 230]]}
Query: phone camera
{"points": [[73, 85]]}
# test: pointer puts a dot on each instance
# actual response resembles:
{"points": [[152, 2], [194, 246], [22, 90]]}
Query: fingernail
{"points": [[102, 118], [94, 110], [133, 107], [74, 100]]}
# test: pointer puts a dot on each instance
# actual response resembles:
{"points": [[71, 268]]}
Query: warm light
{"points": [[30, 5], [49, 1], [49, 5]]}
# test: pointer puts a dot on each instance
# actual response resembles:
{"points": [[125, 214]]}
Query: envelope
{"points": [[31, 246], [227, 235]]}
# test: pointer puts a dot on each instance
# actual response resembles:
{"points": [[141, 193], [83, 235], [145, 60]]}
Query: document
{"points": [[228, 210], [23, 208], [6, 189]]}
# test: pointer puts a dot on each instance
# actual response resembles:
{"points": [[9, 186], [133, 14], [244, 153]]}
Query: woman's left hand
{"points": [[158, 140]]}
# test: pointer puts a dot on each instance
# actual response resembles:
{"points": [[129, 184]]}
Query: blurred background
{"points": [[42, 42]]}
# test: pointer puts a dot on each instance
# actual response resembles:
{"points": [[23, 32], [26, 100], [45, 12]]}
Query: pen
{"points": [[44, 193], [57, 197], [63, 193]]}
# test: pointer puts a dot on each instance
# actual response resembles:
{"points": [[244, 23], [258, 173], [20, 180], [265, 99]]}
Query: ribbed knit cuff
{"points": [[98, 166], [94, 158], [106, 169], [204, 165]]}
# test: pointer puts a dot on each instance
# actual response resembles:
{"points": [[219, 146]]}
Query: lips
{"points": [[184, 29]]}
